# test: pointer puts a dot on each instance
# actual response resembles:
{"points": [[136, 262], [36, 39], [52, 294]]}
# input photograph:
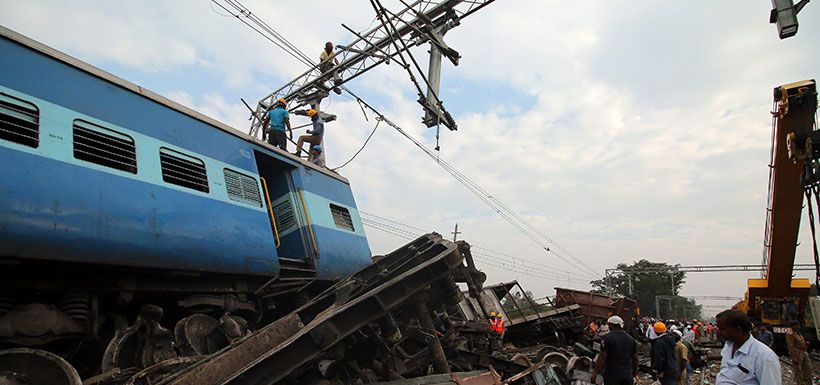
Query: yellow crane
{"points": [[777, 298]]}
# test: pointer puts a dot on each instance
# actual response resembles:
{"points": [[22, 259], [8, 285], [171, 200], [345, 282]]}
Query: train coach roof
{"points": [[90, 69]]}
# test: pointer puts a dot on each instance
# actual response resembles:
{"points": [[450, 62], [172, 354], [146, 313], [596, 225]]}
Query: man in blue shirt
{"points": [[765, 336], [313, 136], [276, 121], [618, 360], [664, 364], [744, 359]]}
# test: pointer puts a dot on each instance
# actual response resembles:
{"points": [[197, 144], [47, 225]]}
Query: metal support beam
{"points": [[371, 48], [701, 269], [425, 318]]}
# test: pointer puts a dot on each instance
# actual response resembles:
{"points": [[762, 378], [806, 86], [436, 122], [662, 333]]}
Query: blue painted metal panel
{"points": [[59, 211], [56, 142], [53, 206], [36, 74], [341, 253], [325, 186]]}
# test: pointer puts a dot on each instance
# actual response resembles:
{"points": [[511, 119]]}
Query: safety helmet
{"points": [[317, 148], [493, 314], [311, 112], [283, 101], [659, 327], [615, 320]]}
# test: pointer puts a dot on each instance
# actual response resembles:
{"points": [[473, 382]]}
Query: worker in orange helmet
{"points": [[499, 324], [493, 322]]}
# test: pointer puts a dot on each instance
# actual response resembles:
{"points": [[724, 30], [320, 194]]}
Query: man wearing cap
{"points": [[692, 356], [313, 136], [664, 366], [744, 359], [276, 121], [618, 360], [681, 356]]}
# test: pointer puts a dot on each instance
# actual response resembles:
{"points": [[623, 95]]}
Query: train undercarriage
{"points": [[399, 318]]}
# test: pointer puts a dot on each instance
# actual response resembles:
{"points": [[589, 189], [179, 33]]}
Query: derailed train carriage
{"points": [[113, 197]]}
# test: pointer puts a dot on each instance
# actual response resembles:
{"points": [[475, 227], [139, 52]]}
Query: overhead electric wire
{"points": [[378, 121], [521, 224], [271, 35], [397, 226], [393, 221], [504, 211], [480, 257], [512, 263]]}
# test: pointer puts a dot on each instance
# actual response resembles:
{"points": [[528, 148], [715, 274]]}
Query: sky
{"points": [[622, 130]]}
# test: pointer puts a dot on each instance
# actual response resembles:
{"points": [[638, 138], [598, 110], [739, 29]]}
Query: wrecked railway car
{"points": [[113, 198], [526, 322], [142, 242], [598, 307]]}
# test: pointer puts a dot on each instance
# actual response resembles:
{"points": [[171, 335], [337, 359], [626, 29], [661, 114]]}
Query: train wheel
{"points": [[122, 350], [32, 366], [195, 334]]}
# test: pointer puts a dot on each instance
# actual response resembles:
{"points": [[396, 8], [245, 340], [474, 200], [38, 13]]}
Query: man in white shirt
{"points": [[650, 333], [744, 359], [689, 334]]}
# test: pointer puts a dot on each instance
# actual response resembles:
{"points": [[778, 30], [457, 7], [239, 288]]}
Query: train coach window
{"points": [[242, 188], [341, 217], [100, 145], [183, 170], [19, 121]]}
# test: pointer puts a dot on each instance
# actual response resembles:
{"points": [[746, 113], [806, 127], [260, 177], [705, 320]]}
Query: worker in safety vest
{"points": [[499, 322], [493, 323]]}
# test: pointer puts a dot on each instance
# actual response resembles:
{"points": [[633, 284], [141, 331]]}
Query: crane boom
{"points": [[420, 22], [793, 124]]}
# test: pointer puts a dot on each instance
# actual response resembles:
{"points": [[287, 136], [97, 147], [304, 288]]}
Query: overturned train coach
{"points": [[113, 197]]}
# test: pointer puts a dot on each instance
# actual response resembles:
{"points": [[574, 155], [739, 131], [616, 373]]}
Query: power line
{"points": [[393, 221], [499, 207], [248, 18], [512, 264], [522, 261], [378, 121]]}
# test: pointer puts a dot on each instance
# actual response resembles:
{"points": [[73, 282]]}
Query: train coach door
{"points": [[289, 223]]}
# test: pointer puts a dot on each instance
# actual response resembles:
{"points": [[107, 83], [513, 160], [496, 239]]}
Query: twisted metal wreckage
{"points": [[398, 321]]}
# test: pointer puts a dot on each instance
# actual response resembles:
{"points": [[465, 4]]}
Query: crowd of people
{"points": [[746, 356], [693, 331]]}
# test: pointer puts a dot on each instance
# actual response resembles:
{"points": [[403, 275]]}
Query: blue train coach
{"points": [[110, 193]]}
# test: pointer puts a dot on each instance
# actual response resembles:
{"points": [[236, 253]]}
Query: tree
{"points": [[646, 285], [524, 304]]}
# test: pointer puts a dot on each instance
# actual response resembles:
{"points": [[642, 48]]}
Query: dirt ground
{"points": [[707, 374]]}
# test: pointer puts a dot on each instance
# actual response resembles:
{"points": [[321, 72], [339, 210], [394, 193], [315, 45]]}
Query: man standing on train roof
{"points": [[313, 136], [276, 120], [618, 361], [327, 62], [744, 359]]}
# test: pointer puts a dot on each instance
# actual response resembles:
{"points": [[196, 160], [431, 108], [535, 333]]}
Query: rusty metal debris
{"points": [[418, 315]]}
